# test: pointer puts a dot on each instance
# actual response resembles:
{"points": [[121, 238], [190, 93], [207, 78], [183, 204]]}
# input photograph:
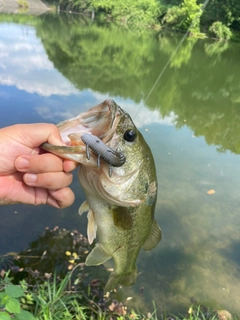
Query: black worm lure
{"points": [[112, 157]]}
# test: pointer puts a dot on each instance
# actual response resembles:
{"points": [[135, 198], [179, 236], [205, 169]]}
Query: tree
{"points": [[226, 11], [220, 31], [193, 13], [186, 16]]}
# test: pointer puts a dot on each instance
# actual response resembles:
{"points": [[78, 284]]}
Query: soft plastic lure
{"points": [[112, 157]]}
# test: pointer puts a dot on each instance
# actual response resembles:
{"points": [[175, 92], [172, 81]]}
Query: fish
{"points": [[120, 207]]}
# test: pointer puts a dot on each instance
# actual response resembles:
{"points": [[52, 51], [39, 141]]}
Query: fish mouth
{"points": [[100, 121]]}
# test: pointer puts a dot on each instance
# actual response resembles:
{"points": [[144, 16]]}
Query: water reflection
{"points": [[199, 84], [22, 56], [61, 67]]}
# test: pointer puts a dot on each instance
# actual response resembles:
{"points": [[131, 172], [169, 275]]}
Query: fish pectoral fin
{"points": [[96, 256], [154, 237], [91, 227], [84, 207]]}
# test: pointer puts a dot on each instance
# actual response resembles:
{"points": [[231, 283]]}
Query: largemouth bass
{"points": [[120, 205]]}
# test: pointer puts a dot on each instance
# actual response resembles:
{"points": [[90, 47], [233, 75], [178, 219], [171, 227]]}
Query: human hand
{"points": [[29, 176]]}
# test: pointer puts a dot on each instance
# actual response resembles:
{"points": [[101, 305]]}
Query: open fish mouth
{"points": [[100, 121], [88, 134]]}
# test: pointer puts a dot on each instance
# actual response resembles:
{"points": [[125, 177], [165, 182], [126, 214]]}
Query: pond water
{"points": [[54, 67]]}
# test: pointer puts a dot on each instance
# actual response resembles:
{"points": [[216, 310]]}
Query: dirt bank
{"points": [[12, 6]]}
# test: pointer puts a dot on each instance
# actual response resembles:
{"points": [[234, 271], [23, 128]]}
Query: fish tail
{"points": [[125, 279]]}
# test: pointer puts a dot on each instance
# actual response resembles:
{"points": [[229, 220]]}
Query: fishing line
{"points": [[173, 55]]}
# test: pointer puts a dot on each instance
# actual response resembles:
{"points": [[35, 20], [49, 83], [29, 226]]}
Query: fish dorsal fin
{"points": [[84, 207], [154, 237], [96, 256], [92, 226]]}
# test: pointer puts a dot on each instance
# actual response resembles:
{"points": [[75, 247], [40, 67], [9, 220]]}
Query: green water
{"points": [[54, 67]]}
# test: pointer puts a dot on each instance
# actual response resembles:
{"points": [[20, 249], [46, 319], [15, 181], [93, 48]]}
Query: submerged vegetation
{"points": [[214, 17]]}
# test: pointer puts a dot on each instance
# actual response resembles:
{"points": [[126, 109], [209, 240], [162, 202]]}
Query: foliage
{"points": [[186, 16], [14, 300], [133, 12], [174, 17], [220, 31], [23, 3], [52, 302], [177, 14], [193, 13], [76, 5], [226, 12], [48, 300]]}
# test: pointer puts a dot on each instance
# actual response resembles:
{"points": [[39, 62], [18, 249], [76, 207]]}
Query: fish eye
{"points": [[130, 135]]}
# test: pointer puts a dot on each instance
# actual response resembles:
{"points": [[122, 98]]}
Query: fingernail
{"points": [[30, 178], [22, 163]]}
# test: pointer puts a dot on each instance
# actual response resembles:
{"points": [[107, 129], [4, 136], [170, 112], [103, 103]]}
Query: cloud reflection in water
{"points": [[25, 65]]}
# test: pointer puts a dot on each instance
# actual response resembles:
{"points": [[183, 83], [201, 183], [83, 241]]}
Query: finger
{"points": [[49, 180], [46, 162], [61, 198], [69, 165], [35, 134]]}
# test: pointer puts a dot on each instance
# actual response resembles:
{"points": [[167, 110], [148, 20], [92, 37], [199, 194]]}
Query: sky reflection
{"points": [[25, 65]]}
